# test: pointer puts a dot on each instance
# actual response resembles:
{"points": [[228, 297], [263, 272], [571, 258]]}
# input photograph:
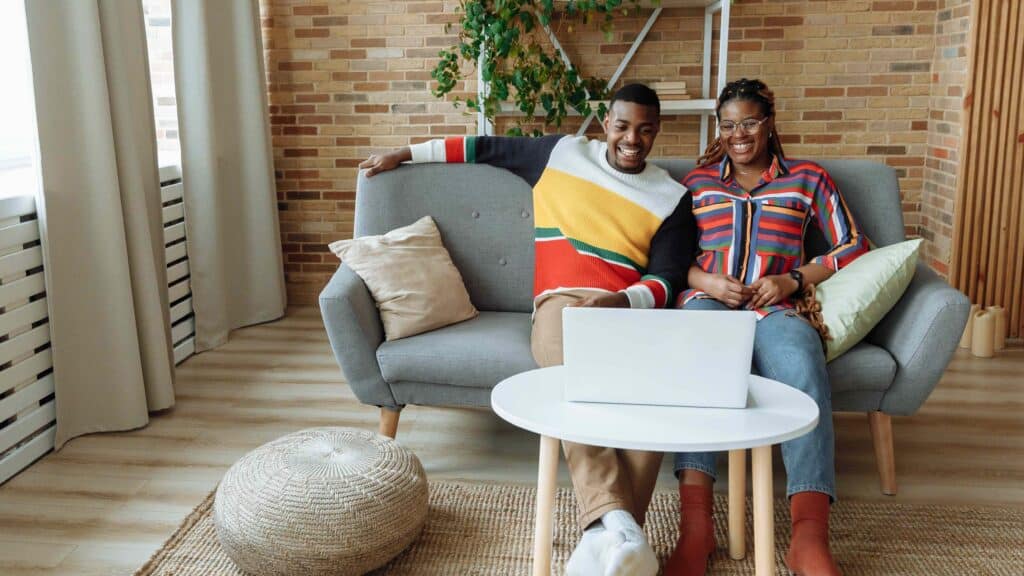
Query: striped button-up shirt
{"points": [[749, 235]]}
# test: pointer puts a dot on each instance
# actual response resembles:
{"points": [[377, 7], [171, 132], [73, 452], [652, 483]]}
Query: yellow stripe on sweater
{"points": [[594, 215]]}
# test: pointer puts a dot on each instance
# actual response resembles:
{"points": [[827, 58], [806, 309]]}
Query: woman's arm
{"points": [[771, 290]]}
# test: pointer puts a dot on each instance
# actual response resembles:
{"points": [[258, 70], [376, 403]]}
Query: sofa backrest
{"points": [[486, 217]]}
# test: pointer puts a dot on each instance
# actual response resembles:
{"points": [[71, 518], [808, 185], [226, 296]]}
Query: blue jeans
{"points": [[787, 349]]}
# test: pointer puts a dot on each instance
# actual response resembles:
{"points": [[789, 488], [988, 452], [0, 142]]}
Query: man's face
{"points": [[630, 129]]}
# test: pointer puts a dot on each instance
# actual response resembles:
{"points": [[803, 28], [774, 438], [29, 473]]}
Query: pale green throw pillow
{"points": [[857, 297]]}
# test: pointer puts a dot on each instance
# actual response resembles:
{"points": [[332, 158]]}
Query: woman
{"points": [[752, 205]]}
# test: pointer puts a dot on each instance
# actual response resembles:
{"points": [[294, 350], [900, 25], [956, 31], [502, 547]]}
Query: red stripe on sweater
{"points": [[658, 290], [453, 150], [559, 265]]}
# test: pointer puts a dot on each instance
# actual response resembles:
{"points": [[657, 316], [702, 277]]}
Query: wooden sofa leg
{"points": [[388, 422], [881, 435]]}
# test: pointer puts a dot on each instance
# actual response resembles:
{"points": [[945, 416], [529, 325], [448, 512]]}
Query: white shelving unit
{"points": [[703, 106]]}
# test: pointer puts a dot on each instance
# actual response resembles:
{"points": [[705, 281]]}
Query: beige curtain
{"points": [[227, 167], [100, 215]]}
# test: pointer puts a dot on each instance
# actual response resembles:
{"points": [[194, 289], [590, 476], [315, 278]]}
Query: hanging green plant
{"points": [[497, 37]]}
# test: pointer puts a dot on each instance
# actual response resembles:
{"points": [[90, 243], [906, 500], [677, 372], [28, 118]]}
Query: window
{"points": [[18, 156], [161, 73]]}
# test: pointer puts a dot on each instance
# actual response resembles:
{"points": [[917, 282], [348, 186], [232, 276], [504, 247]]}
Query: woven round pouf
{"points": [[330, 501]]}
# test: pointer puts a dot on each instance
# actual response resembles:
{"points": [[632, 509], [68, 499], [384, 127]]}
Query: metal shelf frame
{"points": [[705, 106]]}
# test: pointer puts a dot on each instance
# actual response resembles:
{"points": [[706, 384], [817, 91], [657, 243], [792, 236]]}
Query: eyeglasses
{"points": [[749, 126]]}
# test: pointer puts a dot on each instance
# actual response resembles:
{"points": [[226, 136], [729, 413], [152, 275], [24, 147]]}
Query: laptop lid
{"points": [[661, 357]]}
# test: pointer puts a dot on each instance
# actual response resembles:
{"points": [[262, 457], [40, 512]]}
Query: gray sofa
{"points": [[485, 217]]}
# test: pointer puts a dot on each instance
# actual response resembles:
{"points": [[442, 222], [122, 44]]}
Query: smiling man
{"points": [[612, 231]]}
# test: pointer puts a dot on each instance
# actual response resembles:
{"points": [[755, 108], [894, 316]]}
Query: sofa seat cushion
{"points": [[481, 352], [476, 353], [865, 367]]}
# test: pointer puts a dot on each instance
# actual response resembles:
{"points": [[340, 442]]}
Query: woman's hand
{"points": [[726, 289], [611, 300], [772, 290], [383, 162]]}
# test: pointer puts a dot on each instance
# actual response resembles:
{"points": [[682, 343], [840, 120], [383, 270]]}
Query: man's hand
{"points": [[611, 300], [727, 290], [383, 162], [772, 290]]}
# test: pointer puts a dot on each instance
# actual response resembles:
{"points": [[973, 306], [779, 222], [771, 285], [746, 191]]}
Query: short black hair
{"points": [[638, 94]]}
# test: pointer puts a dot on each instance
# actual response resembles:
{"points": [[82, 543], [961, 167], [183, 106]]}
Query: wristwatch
{"points": [[799, 277]]}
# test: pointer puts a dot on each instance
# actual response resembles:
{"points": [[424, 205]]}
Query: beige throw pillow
{"points": [[411, 276]]}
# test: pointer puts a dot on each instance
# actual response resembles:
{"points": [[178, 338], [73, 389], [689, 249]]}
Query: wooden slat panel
{"points": [[179, 291], [15, 236], [26, 424], [173, 212], [982, 95], [22, 316], [180, 310], [21, 261], [24, 343], [17, 206], [22, 288], [174, 233], [170, 172], [26, 369], [1013, 294], [175, 252], [183, 330], [177, 272], [988, 237], [25, 397], [172, 192], [30, 452], [184, 350]]}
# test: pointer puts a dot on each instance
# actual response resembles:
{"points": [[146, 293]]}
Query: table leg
{"points": [[764, 512], [737, 504], [547, 473]]}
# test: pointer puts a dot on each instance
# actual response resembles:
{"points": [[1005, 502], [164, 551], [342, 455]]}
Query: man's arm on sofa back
{"points": [[355, 331], [921, 332]]}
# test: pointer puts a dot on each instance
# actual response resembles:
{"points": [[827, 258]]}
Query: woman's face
{"points": [[745, 147]]}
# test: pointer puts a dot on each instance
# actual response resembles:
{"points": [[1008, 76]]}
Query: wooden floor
{"points": [[106, 502]]}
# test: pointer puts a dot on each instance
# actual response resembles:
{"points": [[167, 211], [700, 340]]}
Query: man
{"points": [[611, 231]]}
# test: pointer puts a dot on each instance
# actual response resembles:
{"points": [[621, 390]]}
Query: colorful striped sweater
{"points": [[596, 227], [761, 233]]}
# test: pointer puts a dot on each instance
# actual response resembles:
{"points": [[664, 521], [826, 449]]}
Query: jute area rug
{"points": [[478, 529]]}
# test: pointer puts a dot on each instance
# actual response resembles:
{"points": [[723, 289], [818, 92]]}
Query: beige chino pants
{"points": [[605, 479]]}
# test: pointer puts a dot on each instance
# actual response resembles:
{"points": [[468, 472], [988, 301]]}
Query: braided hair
{"points": [[743, 89]]}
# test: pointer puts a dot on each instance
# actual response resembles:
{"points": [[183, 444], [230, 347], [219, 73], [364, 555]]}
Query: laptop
{"points": [[659, 357]]}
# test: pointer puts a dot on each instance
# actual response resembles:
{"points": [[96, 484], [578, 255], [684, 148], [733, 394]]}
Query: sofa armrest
{"points": [[355, 331], [921, 332]]}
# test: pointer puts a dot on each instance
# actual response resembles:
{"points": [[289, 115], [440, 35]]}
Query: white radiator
{"points": [[27, 409], [179, 289]]}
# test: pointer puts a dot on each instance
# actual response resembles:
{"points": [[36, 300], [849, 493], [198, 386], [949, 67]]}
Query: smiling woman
{"points": [[752, 206]]}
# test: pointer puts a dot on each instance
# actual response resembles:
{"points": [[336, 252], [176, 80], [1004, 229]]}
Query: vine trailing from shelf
{"points": [[499, 38]]}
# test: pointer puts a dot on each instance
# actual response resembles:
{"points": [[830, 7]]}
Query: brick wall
{"points": [[854, 79], [949, 79]]}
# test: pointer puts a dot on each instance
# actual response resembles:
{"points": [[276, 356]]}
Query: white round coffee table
{"points": [[775, 413]]}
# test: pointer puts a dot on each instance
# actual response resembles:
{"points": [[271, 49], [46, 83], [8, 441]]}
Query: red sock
{"points": [[809, 554], [696, 532]]}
